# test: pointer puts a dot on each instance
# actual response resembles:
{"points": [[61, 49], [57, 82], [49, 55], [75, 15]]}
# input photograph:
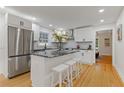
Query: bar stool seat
{"points": [[60, 69]]}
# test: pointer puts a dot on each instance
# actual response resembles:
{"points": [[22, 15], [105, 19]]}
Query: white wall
{"points": [[119, 48], [101, 35], [3, 44]]}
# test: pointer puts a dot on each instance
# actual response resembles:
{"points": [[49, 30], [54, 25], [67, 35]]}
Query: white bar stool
{"points": [[71, 64], [60, 69], [78, 61], [78, 58]]}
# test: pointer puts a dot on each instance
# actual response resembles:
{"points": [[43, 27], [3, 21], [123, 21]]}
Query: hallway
{"points": [[104, 60]]}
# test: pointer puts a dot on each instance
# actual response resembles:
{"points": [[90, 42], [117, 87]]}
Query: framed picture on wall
{"points": [[119, 32], [107, 42]]}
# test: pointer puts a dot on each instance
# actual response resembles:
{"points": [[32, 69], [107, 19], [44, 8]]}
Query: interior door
{"points": [[12, 37], [27, 41]]}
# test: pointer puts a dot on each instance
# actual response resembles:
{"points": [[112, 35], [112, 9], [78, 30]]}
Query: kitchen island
{"points": [[42, 63]]}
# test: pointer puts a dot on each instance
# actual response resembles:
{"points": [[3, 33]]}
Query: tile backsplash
{"points": [[84, 45], [73, 44], [69, 44]]}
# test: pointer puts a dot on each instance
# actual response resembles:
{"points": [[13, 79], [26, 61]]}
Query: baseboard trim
{"points": [[119, 72]]}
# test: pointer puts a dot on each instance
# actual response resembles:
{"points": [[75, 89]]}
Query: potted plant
{"points": [[60, 37]]}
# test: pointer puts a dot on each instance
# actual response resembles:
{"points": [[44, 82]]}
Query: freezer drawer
{"points": [[11, 67], [18, 65], [24, 64]]}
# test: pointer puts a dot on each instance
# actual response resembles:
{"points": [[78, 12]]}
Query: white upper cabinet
{"points": [[81, 35], [41, 34], [36, 31], [19, 22]]}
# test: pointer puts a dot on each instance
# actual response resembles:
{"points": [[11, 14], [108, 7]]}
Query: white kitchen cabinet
{"points": [[83, 35], [19, 22], [87, 56], [41, 34], [36, 31]]}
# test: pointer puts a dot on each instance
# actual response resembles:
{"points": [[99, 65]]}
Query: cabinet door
{"points": [[84, 56], [36, 35], [83, 34], [25, 24], [77, 36], [13, 20], [88, 57], [91, 56], [36, 31], [19, 22]]}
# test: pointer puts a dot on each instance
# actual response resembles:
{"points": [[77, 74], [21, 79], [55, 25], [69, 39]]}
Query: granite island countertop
{"points": [[53, 53]]}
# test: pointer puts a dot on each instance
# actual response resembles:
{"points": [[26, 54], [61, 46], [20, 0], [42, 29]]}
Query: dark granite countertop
{"points": [[53, 53], [81, 49], [44, 49]]}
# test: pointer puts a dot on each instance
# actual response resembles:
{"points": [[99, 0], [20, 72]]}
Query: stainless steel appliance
{"points": [[19, 49]]}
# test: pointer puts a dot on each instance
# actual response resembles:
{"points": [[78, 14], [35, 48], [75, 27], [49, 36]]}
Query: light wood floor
{"points": [[101, 74], [19, 81]]}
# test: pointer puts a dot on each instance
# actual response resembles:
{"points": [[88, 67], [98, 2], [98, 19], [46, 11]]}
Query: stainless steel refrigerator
{"points": [[19, 49]]}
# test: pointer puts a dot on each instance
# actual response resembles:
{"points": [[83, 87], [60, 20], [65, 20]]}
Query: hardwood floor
{"points": [[101, 74], [104, 59], [19, 81]]}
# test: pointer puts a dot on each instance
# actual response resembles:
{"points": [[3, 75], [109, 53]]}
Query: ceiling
{"points": [[70, 16]]}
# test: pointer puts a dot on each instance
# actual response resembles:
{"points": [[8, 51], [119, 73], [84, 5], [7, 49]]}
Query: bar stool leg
{"points": [[68, 81], [52, 81], [78, 69], [60, 79], [71, 72]]}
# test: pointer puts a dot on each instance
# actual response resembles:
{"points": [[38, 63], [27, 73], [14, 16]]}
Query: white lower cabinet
{"points": [[87, 56]]}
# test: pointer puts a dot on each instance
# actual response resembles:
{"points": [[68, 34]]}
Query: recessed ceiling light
{"points": [[101, 20], [33, 18], [50, 25], [60, 28], [2, 7], [101, 10]]}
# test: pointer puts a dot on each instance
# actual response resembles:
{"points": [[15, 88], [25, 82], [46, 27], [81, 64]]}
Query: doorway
{"points": [[104, 46]]}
